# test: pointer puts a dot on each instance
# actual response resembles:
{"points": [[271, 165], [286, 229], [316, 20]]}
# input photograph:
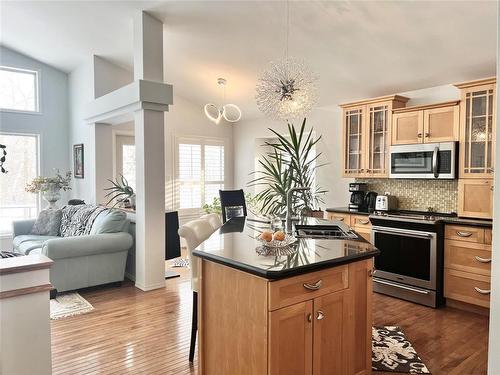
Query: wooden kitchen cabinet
{"points": [[426, 124], [477, 128], [366, 135], [291, 340], [475, 198]]}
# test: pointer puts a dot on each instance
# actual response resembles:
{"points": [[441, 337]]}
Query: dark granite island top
{"points": [[235, 245]]}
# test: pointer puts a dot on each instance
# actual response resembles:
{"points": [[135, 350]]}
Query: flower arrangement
{"points": [[41, 184]]}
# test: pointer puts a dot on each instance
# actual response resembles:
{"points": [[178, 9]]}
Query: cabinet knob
{"points": [[314, 286], [427, 134], [419, 135], [309, 318], [320, 315], [370, 273]]}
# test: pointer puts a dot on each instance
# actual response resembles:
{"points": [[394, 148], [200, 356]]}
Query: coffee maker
{"points": [[358, 191]]}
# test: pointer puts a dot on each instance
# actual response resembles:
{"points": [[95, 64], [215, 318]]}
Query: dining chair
{"points": [[213, 219], [233, 204], [194, 233]]}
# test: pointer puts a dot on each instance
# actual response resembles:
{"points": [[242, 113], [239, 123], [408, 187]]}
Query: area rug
{"points": [[179, 262], [392, 352], [68, 304]]}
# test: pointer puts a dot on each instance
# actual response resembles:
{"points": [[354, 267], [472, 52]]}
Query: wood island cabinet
{"points": [[317, 323], [366, 135], [426, 124]]}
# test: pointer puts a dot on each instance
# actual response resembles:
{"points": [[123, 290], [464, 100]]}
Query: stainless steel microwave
{"points": [[425, 160]]}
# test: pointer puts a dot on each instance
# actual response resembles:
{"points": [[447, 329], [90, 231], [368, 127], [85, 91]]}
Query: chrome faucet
{"points": [[289, 206]]}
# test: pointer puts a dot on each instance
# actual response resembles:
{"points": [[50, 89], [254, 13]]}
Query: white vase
{"points": [[51, 193], [132, 200]]}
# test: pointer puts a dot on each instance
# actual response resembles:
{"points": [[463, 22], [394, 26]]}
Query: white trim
{"points": [[38, 74]]}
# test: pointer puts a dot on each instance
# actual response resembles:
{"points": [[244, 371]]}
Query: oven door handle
{"points": [[435, 162], [411, 233], [400, 286]]}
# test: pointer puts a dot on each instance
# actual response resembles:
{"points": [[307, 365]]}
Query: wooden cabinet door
{"points": [[290, 340], [477, 132], [377, 139], [407, 128], [441, 124], [331, 334], [354, 141], [475, 198]]}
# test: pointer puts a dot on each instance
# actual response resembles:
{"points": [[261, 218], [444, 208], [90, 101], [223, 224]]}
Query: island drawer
{"points": [[345, 218], [467, 287], [468, 257], [464, 233], [300, 288]]}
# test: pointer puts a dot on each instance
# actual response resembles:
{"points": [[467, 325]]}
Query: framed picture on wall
{"points": [[78, 161]]}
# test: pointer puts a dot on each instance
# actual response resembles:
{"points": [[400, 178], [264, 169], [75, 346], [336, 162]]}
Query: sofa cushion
{"points": [[26, 243], [110, 221], [78, 220], [47, 223]]}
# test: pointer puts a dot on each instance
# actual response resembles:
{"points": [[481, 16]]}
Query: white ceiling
{"points": [[357, 48]]}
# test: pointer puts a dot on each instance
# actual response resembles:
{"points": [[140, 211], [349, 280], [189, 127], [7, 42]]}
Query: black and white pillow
{"points": [[47, 223]]}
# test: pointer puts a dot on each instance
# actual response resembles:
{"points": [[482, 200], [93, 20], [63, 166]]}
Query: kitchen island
{"points": [[304, 312]]}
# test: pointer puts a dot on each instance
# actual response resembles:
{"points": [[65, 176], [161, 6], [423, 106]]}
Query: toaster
{"points": [[386, 202]]}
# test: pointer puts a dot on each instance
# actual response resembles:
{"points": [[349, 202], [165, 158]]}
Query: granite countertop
{"points": [[235, 245], [444, 219]]}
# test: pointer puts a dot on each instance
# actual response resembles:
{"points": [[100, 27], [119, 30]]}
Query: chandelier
{"points": [[230, 112], [286, 90]]}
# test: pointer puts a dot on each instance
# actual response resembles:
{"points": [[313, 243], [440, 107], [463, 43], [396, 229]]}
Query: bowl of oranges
{"points": [[275, 239]]}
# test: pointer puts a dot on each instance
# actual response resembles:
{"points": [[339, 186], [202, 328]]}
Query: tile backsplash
{"points": [[441, 195]]}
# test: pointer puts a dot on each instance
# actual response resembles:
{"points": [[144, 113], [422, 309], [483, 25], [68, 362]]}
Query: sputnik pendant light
{"points": [[287, 89], [230, 112]]}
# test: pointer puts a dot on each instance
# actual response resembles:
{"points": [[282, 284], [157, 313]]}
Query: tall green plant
{"points": [[290, 164]]}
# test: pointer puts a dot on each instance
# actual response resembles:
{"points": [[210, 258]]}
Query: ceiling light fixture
{"points": [[230, 112], [287, 89]]}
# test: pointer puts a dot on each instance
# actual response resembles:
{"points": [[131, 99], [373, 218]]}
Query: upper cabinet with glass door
{"points": [[366, 135], [477, 128]]}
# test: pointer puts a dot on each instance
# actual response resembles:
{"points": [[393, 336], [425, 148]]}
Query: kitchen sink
{"points": [[325, 231]]}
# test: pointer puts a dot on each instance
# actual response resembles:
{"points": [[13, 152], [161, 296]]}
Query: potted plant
{"points": [[50, 187], [291, 163], [120, 192]]}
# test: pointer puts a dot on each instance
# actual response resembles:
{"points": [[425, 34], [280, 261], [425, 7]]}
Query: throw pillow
{"points": [[47, 223]]}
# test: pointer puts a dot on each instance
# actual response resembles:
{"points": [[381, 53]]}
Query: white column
{"points": [[150, 203], [148, 48], [101, 159]]}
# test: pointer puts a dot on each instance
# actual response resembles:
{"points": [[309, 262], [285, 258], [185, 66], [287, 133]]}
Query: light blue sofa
{"points": [[81, 261]]}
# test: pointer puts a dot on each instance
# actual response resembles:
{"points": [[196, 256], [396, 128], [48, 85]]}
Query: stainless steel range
{"points": [[410, 264]]}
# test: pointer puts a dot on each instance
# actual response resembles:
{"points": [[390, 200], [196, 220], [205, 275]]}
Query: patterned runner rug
{"points": [[69, 304], [392, 352]]}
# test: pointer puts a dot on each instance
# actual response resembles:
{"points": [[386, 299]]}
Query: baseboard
{"points": [[145, 288], [467, 307]]}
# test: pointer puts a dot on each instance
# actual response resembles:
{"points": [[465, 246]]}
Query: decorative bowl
{"points": [[289, 239]]}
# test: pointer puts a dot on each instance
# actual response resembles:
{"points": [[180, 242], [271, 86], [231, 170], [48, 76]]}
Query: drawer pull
{"points": [[482, 260], [309, 318], [364, 222], [482, 291], [339, 218], [320, 315], [464, 234], [314, 286]]}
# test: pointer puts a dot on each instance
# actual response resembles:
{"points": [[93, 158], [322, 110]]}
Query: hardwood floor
{"points": [[137, 332]]}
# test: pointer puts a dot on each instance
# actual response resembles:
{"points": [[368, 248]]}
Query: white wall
{"points": [[52, 123], [327, 123], [494, 342]]}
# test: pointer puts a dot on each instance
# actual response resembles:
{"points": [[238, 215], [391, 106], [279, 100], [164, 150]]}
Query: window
{"points": [[200, 172], [125, 158], [22, 167], [18, 89]]}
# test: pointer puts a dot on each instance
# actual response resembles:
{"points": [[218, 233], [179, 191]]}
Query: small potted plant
{"points": [[120, 192], [50, 187]]}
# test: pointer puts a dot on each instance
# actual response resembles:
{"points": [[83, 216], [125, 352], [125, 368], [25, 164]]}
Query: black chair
{"points": [[233, 204]]}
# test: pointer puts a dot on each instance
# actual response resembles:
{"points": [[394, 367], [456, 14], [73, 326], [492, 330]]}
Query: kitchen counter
{"points": [[445, 220], [289, 313], [235, 245]]}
